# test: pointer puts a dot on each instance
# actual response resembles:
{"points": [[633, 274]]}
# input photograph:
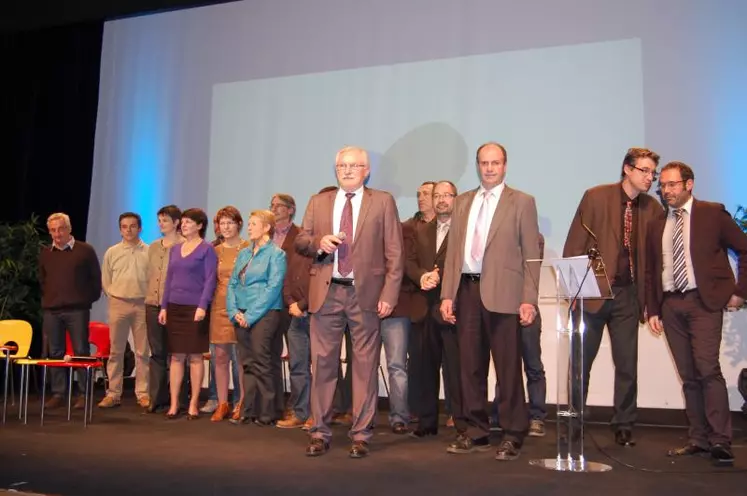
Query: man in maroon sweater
{"points": [[70, 280]]}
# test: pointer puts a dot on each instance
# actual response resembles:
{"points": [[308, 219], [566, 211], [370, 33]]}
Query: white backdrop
{"points": [[231, 103]]}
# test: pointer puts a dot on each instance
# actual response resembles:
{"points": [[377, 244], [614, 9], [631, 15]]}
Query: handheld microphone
{"points": [[320, 254], [593, 252]]}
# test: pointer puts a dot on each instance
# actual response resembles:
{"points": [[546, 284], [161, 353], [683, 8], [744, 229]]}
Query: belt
{"points": [[343, 282], [679, 293], [471, 277]]}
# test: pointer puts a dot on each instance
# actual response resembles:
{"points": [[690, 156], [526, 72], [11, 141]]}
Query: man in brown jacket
{"points": [[354, 281], [613, 219]]}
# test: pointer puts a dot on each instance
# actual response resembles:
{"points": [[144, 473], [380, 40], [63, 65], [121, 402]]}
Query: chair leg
{"points": [[26, 396], [5, 395], [69, 393], [88, 388], [44, 392], [89, 410], [20, 393], [12, 386], [383, 378]]}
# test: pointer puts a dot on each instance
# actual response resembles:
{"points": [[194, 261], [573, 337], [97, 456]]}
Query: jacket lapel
{"points": [[365, 207], [290, 239], [501, 212], [464, 217]]}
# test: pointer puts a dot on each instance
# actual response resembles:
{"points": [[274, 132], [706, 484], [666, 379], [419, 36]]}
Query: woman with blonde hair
{"points": [[253, 303]]}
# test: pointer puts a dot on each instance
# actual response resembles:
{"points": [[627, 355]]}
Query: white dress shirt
{"points": [[494, 195], [339, 205], [442, 229], [667, 242]]}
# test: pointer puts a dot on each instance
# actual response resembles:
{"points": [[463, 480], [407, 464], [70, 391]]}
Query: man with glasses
{"points": [[354, 281], [618, 215], [689, 284]]}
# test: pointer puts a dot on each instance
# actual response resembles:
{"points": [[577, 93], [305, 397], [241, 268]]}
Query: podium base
{"points": [[565, 465]]}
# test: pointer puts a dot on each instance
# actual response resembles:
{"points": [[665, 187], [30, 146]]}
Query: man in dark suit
{"points": [[618, 214], [356, 287], [689, 284], [434, 341], [487, 291]]}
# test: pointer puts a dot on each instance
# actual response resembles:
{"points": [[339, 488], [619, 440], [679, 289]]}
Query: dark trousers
{"points": [[435, 344], [55, 325], [531, 354], [478, 330], [694, 336], [620, 315], [257, 355], [343, 402], [158, 371], [277, 364]]}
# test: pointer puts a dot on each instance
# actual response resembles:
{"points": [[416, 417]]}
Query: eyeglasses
{"points": [[670, 185], [226, 223], [444, 196], [647, 172], [350, 166], [278, 205]]}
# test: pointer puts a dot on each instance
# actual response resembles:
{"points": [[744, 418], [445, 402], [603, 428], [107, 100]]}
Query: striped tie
{"points": [[679, 267]]}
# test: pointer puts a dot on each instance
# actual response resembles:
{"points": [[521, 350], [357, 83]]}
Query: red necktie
{"points": [[628, 236], [345, 261]]}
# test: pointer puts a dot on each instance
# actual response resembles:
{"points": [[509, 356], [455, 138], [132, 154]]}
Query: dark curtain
{"points": [[49, 92]]}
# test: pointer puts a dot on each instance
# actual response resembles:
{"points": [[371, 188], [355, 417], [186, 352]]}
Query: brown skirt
{"points": [[184, 334]]}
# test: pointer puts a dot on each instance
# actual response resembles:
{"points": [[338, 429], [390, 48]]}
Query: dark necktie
{"points": [[679, 266], [627, 240], [345, 260]]}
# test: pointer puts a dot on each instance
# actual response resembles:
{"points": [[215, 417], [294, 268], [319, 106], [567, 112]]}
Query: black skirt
{"points": [[184, 334]]}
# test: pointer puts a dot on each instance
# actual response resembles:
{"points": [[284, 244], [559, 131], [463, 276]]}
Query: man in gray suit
{"points": [[488, 291], [354, 281]]}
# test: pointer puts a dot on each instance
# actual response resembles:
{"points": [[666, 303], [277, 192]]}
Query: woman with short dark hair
{"points": [[188, 292]]}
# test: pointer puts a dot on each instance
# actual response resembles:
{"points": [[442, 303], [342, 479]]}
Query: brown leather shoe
{"points": [[291, 422], [221, 412], [236, 415], [308, 424], [359, 449], [53, 402], [317, 447], [80, 403]]}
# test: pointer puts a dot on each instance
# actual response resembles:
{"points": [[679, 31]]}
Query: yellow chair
{"points": [[15, 342]]}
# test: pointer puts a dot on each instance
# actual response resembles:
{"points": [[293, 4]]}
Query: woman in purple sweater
{"points": [[190, 284]]}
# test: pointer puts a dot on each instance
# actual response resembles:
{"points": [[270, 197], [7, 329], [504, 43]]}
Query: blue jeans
{"points": [[394, 337], [55, 325], [235, 367], [531, 354], [299, 362]]}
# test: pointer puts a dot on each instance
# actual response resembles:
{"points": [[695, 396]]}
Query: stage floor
{"points": [[125, 452]]}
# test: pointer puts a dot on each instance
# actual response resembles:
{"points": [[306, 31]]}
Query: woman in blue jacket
{"points": [[254, 302]]}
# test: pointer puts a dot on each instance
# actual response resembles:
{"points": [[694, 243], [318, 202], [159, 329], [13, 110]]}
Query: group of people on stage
{"points": [[443, 290]]}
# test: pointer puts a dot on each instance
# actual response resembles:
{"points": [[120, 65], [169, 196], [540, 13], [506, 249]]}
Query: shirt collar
{"points": [[445, 223], [284, 230], [495, 191], [624, 198], [140, 245], [358, 192], [68, 245], [687, 207]]}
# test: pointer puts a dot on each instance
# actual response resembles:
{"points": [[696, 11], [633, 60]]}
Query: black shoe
{"points": [[424, 432], [507, 451], [262, 423], [465, 445], [722, 455], [400, 428], [317, 447], [241, 420], [624, 437], [688, 450], [173, 416], [359, 449]]}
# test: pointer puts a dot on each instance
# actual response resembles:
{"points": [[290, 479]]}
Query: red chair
{"points": [[98, 335]]}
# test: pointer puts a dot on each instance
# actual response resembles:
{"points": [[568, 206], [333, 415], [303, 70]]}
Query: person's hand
{"points": [[657, 327], [329, 243], [384, 309], [199, 315], [447, 311], [527, 314], [735, 303], [294, 311], [430, 280], [239, 318], [162, 316]]}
